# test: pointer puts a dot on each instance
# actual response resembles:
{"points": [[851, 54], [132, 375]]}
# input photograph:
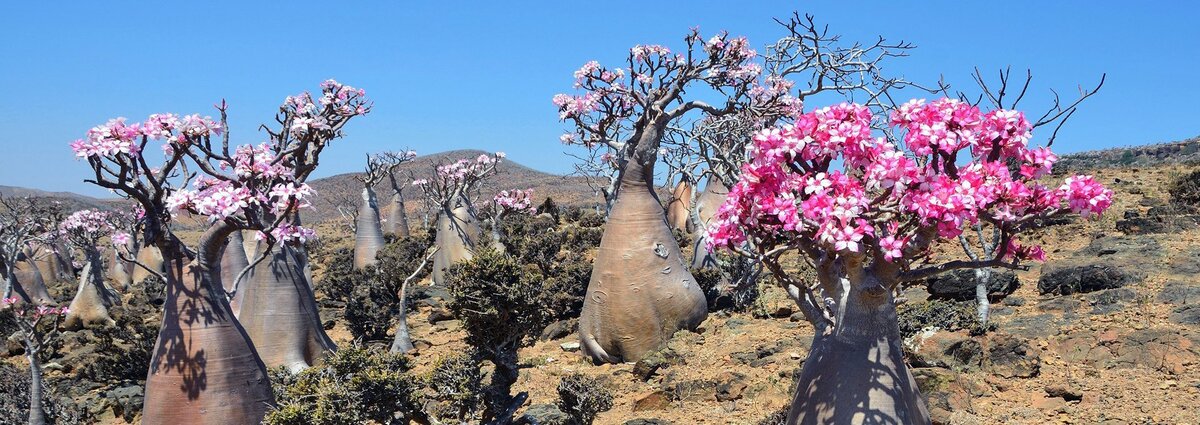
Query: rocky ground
{"points": [[1107, 331]]}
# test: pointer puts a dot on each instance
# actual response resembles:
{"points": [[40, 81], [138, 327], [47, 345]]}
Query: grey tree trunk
{"points": [[92, 298], [233, 261], [397, 223], [855, 372], [403, 341], [982, 278], [456, 238], [37, 414], [368, 234], [279, 312], [120, 272]]}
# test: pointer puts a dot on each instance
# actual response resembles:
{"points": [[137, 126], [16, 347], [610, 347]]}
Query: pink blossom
{"points": [[1085, 195]]}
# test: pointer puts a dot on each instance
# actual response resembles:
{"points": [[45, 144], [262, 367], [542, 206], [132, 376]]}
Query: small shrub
{"points": [[353, 386], [502, 307], [123, 351], [14, 399], [779, 417], [583, 397], [454, 388], [338, 276], [549, 207], [374, 298], [1185, 191]]}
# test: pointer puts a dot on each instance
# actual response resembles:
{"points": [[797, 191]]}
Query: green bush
{"points": [[354, 385], [549, 207], [453, 387], [583, 397], [1185, 191], [502, 307], [14, 399], [338, 275], [374, 299]]}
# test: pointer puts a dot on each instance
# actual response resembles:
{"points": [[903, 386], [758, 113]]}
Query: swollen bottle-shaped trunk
{"points": [[706, 207], [29, 284], [368, 233], [677, 210], [150, 257], [397, 222], [640, 291], [402, 343], [120, 272], [855, 372], [64, 261], [204, 369], [233, 261], [90, 306], [280, 313], [457, 235]]}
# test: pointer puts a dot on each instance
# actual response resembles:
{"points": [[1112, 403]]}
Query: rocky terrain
{"points": [[1107, 331]]}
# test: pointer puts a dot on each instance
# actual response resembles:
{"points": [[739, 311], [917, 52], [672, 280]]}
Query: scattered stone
{"points": [[1156, 349], [560, 329], [650, 421], [570, 347], [1012, 357], [1179, 293], [1014, 301], [422, 345], [126, 401], [952, 350], [1063, 304], [440, 314], [1066, 280], [1186, 314], [1186, 263], [959, 285], [1064, 392], [1037, 326], [1110, 300], [654, 400], [645, 368], [735, 323], [783, 311], [946, 392], [545, 414], [730, 386]]}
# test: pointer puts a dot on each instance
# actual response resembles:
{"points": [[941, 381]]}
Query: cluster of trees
{"points": [[861, 191]]}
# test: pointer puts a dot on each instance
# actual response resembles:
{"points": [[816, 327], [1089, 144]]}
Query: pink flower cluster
{"points": [[120, 239], [116, 137], [461, 170], [88, 224], [826, 181], [289, 234], [336, 99], [41, 310], [519, 201]]}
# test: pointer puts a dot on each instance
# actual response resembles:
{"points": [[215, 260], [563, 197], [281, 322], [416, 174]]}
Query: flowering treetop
{"points": [[826, 186], [514, 201], [85, 228], [383, 165], [251, 187], [626, 110], [453, 183]]}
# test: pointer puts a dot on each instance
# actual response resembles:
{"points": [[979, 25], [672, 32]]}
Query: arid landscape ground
{"points": [[1124, 350]]}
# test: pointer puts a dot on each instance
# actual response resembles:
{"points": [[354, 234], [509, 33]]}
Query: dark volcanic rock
{"points": [[545, 414], [1012, 357], [1111, 300], [560, 329], [1070, 279], [959, 285], [1186, 315], [1179, 293]]}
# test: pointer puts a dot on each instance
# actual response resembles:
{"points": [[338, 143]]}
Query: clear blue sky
{"points": [[449, 75]]}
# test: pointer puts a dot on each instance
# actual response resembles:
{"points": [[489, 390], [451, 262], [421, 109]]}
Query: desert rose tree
{"points": [[641, 291], [278, 308], [505, 204], [449, 193], [39, 327], [866, 212], [204, 368], [368, 231], [23, 223], [83, 230], [396, 224]]}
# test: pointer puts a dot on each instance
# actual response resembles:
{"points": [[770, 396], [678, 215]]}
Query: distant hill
{"points": [[565, 190], [1183, 152], [71, 201]]}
